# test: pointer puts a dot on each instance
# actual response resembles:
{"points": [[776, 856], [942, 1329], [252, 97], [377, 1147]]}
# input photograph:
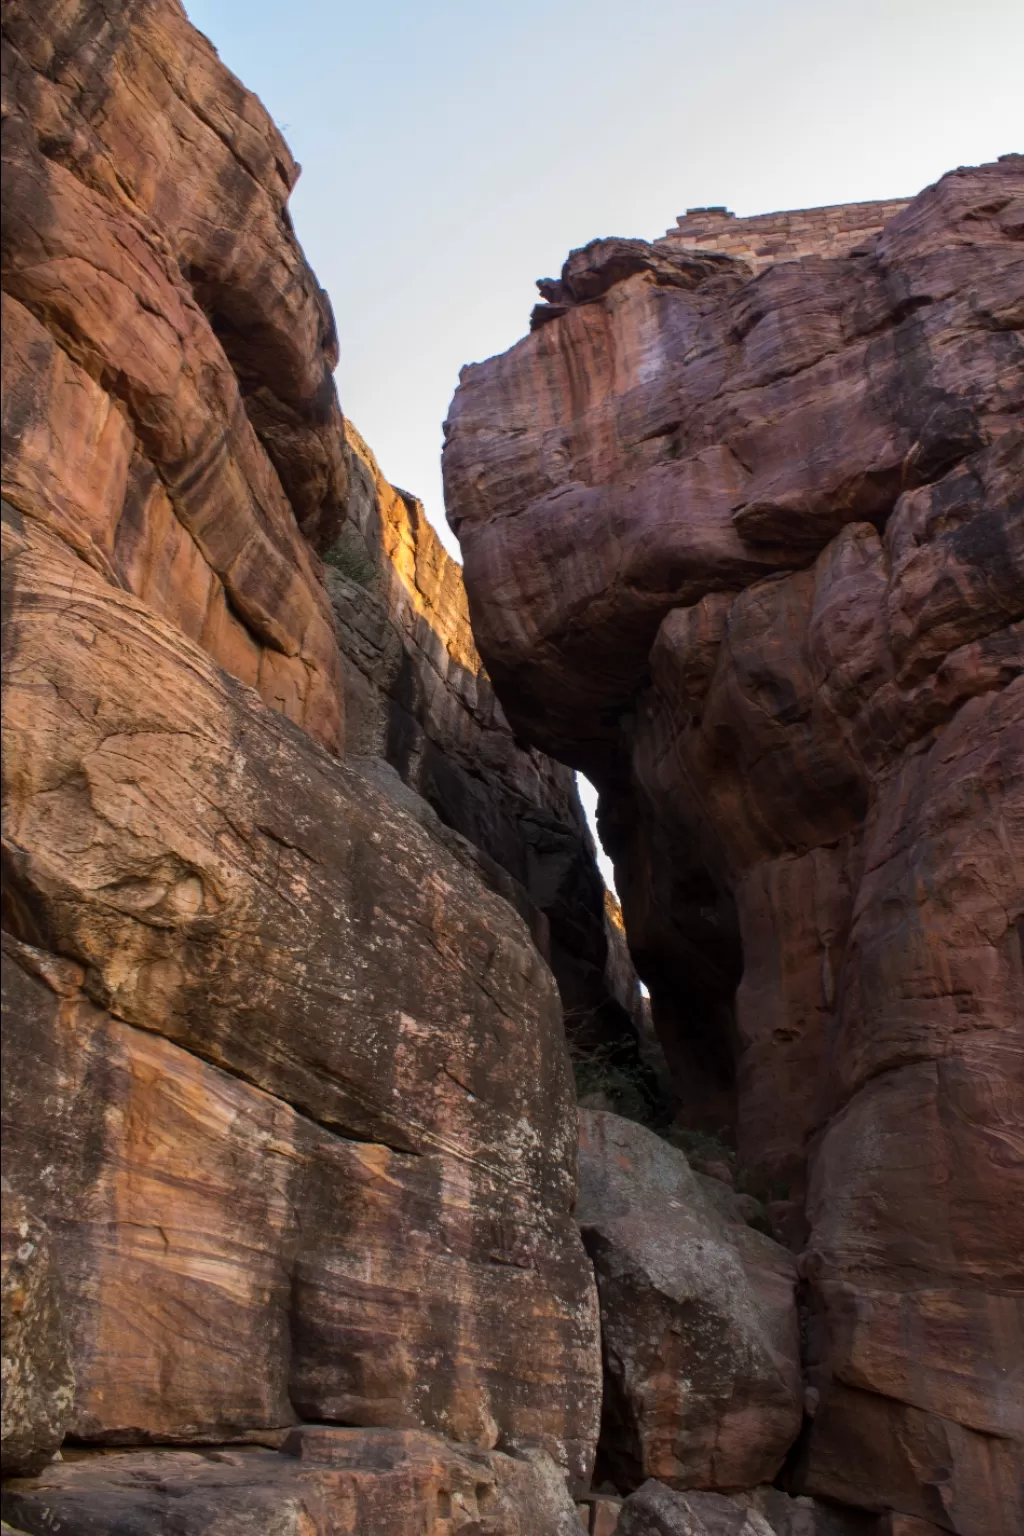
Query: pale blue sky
{"points": [[454, 152]]}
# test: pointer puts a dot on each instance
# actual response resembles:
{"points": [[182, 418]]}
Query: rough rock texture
{"points": [[38, 1377], [325, 1482], [418, 696], [285, 1071], [803, 1516], [750, 551], [252, 935], [168, 405], [655, 1510], [698, 1320], [770, 237]]}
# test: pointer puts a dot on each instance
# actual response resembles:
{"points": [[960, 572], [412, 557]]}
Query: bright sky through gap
{"points": [[454, 152], [588, 798]]}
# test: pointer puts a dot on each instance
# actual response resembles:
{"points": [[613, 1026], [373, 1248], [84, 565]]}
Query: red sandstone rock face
{"points": [[752, 551], [168, 402], [325, 1482], [272, 973], [417, 695], [284, 1071]]}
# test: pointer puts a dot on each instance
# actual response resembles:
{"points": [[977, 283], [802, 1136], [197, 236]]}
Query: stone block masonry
{"points": [[786, 236]]}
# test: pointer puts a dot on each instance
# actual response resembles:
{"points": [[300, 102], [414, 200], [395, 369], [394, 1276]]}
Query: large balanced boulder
{"points": [[748, 549], [698, 1319], [38, 1376], [325, 1482]]}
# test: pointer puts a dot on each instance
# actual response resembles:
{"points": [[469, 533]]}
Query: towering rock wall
{"points": [[288, 1110], [749, 550]]}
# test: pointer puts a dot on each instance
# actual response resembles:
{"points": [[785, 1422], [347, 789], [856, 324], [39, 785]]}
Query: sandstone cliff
{"points": [[289, 1116], [749, 549], [299, 917]]}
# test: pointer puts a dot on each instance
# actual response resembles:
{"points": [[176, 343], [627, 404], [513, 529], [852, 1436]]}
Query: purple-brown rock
{"points": [[750, 550]]}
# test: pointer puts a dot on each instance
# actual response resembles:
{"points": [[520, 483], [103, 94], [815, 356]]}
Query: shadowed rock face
{"points": [[38, 1377], [417, 694], [751, 551]]}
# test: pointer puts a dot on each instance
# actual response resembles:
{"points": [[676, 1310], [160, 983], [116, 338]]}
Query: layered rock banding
{"points": [[342, 1482], [285, 1069], [297, 911], [749, 550]]}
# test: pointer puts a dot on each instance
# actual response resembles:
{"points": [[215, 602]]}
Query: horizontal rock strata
{"points": [[324, 1482], [228, 898]]}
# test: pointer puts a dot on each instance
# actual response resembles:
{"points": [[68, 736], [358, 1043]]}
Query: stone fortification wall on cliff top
{"points": [[766, 238]]}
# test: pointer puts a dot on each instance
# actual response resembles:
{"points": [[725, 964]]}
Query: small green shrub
{"points": [[615, 1070], [349, 555]]}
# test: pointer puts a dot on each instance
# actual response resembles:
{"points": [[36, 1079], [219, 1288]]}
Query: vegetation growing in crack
{"points": [[349, 555], [611, 1075]]}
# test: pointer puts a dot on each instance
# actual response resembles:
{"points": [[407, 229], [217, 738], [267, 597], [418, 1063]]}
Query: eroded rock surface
{"points": [[698, 1320], [264, 952], [38, 1376], [168, 402], [285, 1071], [655, 1510], [324, 1482], [749, 550]]}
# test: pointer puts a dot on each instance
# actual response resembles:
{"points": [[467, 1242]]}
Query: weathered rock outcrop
{"points": [[38, 1377], [285, 1071], [655, 1510], [750, 551], [324, 1482], [250, 936], [158, 317], [698, 1320]]}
